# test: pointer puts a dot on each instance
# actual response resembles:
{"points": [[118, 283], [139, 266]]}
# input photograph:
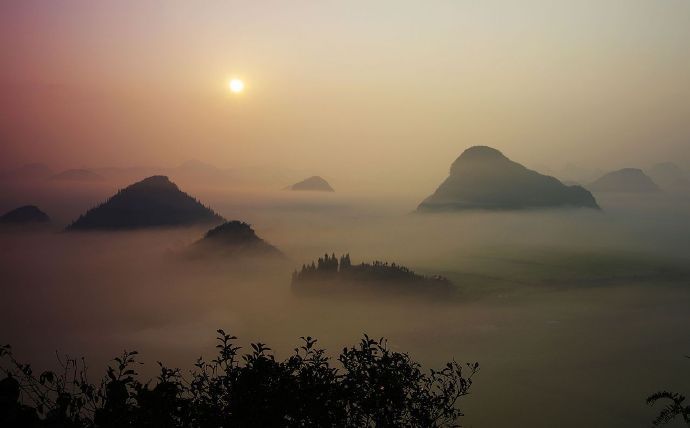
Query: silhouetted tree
{"points": [[675, 407], [345, 262], [373, 387], [378, 273]]}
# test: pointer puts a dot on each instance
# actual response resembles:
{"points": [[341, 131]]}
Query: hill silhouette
{"points": [[330, 274], [483, 178], [679, 187], [77, 175], [25, 214], [666, 174], [626, 180], [314, 183], [234, 238], [152, 202]]}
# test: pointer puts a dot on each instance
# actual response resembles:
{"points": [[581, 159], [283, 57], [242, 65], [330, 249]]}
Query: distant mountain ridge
{"points": [[669, 176], [665, 171], [152, 202], [626, 180], [483, 178]]}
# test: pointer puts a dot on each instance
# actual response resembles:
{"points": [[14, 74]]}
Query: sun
{"points": [[236, 86]]}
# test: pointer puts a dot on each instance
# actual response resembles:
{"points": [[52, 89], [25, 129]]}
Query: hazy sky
{"points": [[371, 88]]}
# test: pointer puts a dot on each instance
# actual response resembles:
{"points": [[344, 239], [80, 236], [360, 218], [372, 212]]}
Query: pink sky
{"points": [[344, 86]]}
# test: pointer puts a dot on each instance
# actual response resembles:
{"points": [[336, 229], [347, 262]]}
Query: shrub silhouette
{"points": [[373, 386], [674, 408]]}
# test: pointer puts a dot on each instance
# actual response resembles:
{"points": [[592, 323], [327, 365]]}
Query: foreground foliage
{"points": [[675, 407], [373, 386]]}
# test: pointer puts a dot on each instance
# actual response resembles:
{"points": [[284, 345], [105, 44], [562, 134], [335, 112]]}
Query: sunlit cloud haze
{"points": [[390, 90]]}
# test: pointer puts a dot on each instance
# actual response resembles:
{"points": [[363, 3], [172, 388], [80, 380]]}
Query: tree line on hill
{"points": [[331, 268]]}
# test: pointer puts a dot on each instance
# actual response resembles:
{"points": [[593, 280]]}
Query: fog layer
{"points": [[563, 309]]}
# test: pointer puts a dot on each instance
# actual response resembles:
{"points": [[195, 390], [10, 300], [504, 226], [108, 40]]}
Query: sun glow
{"points": [[236, 86]]}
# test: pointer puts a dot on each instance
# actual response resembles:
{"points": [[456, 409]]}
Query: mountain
{"points": [[24, 215], [314, 183], [31, 171], [666, 174], [154, 201], [234, 238], [626, 180], [483, 178], [77, 175]]}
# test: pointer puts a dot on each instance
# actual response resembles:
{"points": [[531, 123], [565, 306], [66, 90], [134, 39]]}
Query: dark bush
{"points": [[373, 386], [675, 407]]}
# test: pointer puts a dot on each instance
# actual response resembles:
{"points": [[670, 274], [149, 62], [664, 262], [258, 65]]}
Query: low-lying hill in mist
{"points": [[26, 214], [626, 180], [314, 184], [233, 240], [333, 276]]}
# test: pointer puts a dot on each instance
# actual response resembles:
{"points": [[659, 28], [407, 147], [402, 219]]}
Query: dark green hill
{"points": [[152, 202]]}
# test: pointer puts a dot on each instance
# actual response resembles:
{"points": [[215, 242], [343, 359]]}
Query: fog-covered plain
{"points": [[574, 316]]}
